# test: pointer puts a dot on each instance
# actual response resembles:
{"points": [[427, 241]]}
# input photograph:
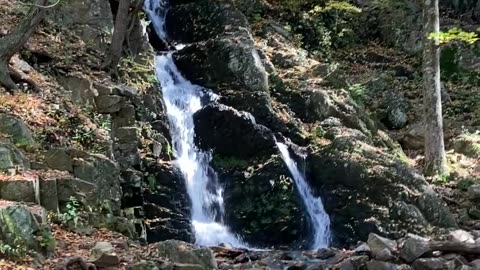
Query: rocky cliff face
{"points": [[356, 168]]}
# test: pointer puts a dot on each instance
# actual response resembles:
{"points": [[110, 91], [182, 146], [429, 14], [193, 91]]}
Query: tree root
{"points": [[21, 76], [5, 78], [76, 260]]}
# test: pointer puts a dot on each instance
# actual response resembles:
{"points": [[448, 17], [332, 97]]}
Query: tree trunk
{"points": [[13, 42], [435, 160], [119, 33]]}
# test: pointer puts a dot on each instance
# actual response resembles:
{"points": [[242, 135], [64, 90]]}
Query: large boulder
{"points": [[220, 63], [24, 229], [367, 190], [262, 202], [16, 129], [231, 133]]}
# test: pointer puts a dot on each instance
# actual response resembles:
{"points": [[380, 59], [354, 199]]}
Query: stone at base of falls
{"points": [[166, 203], [187, 254]]}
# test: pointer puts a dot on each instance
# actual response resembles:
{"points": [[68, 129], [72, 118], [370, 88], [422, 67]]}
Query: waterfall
{"points": [[182, 100], [157, 12], [314, 206]]}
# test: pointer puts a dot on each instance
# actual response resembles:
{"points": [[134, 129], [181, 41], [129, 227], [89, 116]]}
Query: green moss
{"points": [[228, 163]]}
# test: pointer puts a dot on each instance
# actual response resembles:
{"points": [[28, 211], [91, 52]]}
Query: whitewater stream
{"points": [[182, 99]]}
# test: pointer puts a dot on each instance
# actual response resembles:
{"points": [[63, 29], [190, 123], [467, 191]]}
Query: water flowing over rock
{"points": [[314, 206], [182, 100]]}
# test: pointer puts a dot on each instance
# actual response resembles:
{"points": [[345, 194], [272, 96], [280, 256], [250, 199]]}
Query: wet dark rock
{"points": [[231, 133], [166, 204], [204, 19], [264, 207], [223, 63]]}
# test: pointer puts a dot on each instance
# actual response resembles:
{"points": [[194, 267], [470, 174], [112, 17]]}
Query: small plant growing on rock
{"points": [[72, 213]]}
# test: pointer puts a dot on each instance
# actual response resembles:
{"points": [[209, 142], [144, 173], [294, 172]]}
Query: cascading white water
{"points": [[157, 12], [314, 206], [182, 100]]}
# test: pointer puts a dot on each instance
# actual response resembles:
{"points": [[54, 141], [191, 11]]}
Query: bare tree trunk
{"points": [[119, 34], [13, 42], [435, 160]]}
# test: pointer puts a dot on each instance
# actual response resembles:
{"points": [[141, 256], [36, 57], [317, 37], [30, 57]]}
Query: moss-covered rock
{"points": [[368, 190], [23, 232], [467, 144], [11, 157], [263, 204], [16, 129]]}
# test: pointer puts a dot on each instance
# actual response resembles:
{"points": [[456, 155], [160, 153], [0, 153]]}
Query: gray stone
{"points": [[59, 159], [90, 19], [109, 104], [396, 118], [185, 253], [18, 190], [187, 266], [430, 264], [474, 192], [413, 248], [461, 236], [19, 228], [382, 248], [354, 262], [16, 129], [11, 157], [378, 265], [467, 144], [148, 265], [81, 89], [414, 137], [103, 255]]}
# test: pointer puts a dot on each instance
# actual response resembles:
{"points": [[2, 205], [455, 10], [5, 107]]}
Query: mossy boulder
{"points": [[23, 231], [366, 189], [11, 157], [467, 144], [264, 206], [16, 129]]}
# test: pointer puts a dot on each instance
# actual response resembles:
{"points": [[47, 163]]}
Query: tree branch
{"points": [[40, 6]]}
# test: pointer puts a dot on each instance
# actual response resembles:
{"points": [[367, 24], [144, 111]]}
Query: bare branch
{"points": [[40, 6]]}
